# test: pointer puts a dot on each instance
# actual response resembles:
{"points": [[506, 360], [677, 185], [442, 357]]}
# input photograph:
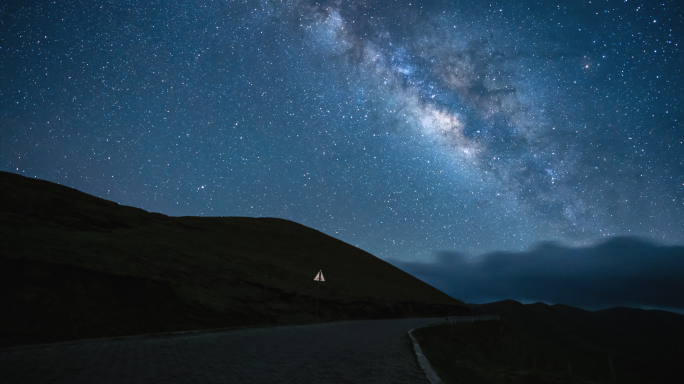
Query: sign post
{"points": [[319, 278]]}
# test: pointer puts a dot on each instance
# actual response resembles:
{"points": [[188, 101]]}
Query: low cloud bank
{"points": [[620, 272]]}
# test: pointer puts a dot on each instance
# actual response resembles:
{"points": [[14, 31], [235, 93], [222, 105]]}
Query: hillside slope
{"points": [[73, 265], [645, 343]]}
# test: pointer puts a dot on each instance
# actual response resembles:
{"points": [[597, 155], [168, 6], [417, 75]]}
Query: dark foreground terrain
{"points": [[535, 343], [76, 266]]}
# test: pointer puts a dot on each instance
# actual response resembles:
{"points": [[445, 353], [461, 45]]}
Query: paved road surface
{"points": [[347, 352]]}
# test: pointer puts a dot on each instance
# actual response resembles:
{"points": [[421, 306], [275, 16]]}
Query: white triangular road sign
{"points": [[319, 276]]}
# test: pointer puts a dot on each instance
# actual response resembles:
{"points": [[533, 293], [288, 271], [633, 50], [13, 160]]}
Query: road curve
{"points": [[373, 351]]}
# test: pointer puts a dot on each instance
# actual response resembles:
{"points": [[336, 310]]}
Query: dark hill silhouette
{"points": [[649, 343], [73, 266]]}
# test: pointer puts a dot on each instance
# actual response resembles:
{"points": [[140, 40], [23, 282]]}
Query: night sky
{"points": [[407, 128]]}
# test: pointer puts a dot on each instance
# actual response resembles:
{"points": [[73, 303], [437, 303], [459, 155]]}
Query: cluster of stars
{"points": [[403, 131]]}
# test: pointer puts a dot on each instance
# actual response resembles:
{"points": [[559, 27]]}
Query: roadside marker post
{"points": [[612, 369], [319, 277]]}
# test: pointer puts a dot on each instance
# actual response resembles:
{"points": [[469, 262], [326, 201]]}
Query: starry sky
{"points": [[407, 128]]}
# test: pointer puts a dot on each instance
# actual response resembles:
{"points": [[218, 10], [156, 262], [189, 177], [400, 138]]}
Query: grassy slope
{"points": [[70, 258], [477, 354], [646, 345]]}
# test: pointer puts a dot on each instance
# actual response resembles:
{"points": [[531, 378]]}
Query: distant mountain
{"points": [[648, 341], [73, 266]]}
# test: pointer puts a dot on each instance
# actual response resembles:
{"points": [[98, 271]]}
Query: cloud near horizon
{"points": [[620, 272]]}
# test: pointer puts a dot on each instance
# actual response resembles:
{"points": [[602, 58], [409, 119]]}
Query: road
{"points": [[373, 351]]}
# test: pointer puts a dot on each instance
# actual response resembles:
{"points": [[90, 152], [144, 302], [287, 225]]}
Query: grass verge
{"points": [[490, 352]]}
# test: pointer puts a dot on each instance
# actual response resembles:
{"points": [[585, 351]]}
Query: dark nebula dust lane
{"points": [[405, 128]]}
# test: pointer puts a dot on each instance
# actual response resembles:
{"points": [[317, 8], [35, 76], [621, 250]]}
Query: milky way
{"points": [[405, 128]]}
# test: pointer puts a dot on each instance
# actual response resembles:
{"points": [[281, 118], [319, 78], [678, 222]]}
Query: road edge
{"points": [[424, 363]]}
